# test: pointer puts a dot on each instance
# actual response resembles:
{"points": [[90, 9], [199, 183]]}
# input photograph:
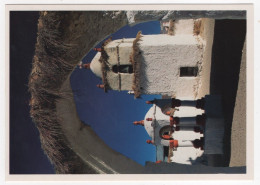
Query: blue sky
{"points": [[111, 114]]}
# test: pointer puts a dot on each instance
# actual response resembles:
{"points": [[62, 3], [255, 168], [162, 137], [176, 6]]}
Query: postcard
{"points": [[151, 91]]}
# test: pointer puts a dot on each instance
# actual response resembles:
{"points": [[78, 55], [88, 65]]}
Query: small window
{"points": [[123, 69], [188, 71]]}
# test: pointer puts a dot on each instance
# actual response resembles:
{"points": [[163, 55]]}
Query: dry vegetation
{"points": [[171, 27], [63, 39], [198, 27], [135, 59], [50, 69], [105, 67]]}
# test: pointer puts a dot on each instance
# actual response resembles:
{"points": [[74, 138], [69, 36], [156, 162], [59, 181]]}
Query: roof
{"points": [[96, 66]]}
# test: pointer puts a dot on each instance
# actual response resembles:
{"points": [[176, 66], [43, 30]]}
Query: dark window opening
{"points": [[188, 71], [165, 132], [123, 69], [165, 151]]}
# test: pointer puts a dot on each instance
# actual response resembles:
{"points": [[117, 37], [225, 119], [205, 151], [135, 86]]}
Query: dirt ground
{"points": [[238, 132]]}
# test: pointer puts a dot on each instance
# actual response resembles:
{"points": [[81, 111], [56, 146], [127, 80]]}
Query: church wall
{"points": [[147, 124], [207, 35], [186, 155], [126, 80], [95, 65], [183, 26], [124, 50], [112, 79], [163, 55], [183, 155], [112, 53]]}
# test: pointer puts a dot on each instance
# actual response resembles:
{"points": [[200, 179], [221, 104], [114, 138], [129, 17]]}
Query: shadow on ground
{"points": [[229, 37]]}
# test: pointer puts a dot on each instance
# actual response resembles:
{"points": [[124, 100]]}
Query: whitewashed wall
{"points": [[183, 155], [163, 55]]}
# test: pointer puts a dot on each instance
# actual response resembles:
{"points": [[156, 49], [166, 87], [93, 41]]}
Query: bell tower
{"points": [[153, 64]]}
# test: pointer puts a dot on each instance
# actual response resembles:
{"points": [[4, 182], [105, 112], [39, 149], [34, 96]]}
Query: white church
{"points": [[153, 64], [181, 127]]}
